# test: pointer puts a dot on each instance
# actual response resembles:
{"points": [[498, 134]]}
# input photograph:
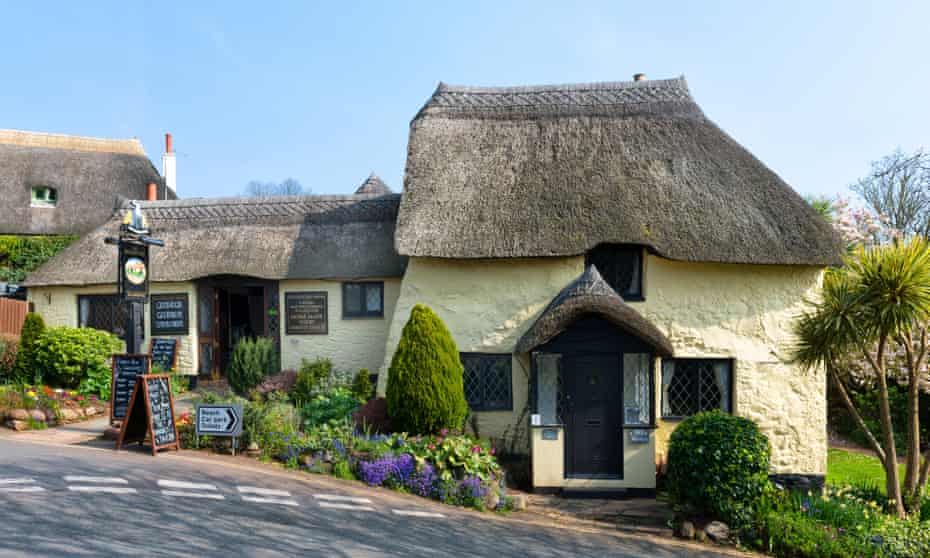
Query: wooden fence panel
{"points": [[12, 315]]}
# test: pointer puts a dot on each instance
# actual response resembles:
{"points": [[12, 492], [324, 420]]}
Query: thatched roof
{"points": [[293, 237], [557, 170], [89, 174], [590, 295], [374, 185]]}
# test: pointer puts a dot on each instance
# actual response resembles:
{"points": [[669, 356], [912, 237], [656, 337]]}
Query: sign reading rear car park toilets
{"points": [[219, 420]]}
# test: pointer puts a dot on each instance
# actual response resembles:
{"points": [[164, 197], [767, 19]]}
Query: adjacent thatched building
{"points": [[58, 184], [606, 258]]}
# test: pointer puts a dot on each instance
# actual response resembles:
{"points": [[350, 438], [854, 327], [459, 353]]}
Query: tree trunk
{"points": [[912, 465], [892, 480], [857, 418]]}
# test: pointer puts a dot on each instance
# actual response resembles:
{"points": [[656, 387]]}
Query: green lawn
{"points": [[848, 467]]}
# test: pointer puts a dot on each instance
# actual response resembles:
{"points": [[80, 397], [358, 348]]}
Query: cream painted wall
{"points": [[707, 310], [352, 343], [58, 307]]}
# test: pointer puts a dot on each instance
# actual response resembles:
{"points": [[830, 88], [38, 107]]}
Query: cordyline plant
{"points": [[876, 306]]}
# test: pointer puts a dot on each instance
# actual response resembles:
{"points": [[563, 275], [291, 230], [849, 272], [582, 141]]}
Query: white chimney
{"points": [[169, 168]]}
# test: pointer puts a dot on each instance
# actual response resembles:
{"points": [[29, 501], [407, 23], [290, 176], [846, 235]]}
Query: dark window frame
{"points": [[710, 360], [117, 301], [487, 404], [614, 252], [346, 314]]}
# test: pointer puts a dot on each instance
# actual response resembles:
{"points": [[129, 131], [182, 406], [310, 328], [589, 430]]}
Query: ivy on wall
{"points": [[19, 255]]}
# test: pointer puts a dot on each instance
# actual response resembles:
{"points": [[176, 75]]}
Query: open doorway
{"points": [[231, 309]]}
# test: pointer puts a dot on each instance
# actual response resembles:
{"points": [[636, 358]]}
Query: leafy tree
{"points": [[26, 368], [425, 390], [875, 306], [287, 187], [823, 206], [898, 187], [250, 362]]}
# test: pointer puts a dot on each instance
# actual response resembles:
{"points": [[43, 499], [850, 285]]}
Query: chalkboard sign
{"points": [[164, 353], [305, 313], [151, 414], [169, 314], [126, 368]]}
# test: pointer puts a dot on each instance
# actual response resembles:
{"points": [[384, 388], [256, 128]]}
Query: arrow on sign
{"points": [[231, 425], [219, 420]]}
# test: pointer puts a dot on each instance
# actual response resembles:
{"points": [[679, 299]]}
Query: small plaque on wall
{"points": [[639, 436], [306, 313], [550, 434], [169, 314]]}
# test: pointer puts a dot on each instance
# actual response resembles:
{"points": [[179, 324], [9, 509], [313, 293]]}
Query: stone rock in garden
{"points": [[91, 411], [50, 416], [718, 531], [69, 414], [519, 502], [37, 415], [492, 500], [18, 425], [686, 530], [18, 414]]}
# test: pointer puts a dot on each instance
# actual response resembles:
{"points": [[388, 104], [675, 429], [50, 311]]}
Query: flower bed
{"points": [[32, 408]]}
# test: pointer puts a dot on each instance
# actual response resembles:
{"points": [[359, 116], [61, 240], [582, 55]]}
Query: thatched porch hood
{"points": [[89, 175], [557, 170], [287, 237]]}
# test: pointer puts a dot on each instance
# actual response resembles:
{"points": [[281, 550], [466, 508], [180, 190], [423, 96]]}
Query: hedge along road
{"points": [[70, 500]]}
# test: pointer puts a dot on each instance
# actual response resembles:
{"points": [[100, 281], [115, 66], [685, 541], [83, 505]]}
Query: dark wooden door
{"points": [[594, 435], [208, 330]]}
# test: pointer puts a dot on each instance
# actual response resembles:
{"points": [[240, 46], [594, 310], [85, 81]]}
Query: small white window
{"points": [[43, 196]]}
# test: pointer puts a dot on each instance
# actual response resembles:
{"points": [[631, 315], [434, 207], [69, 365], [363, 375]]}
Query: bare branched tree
{"points": [[898, 187], [287, 187]]}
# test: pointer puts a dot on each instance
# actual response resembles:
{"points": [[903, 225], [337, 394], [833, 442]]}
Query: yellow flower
{"points": [[31, 393]]}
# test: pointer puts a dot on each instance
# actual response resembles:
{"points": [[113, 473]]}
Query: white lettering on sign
{"points": [[219, 420]]}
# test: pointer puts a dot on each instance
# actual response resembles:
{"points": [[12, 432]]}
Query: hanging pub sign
{"points": [[133, 271], [169, 314], [151, 415]]}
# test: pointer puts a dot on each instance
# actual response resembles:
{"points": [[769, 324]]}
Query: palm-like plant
{"points": [[880, 300]]}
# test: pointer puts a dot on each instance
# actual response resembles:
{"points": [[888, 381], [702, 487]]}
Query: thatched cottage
{"points": [[607, 259], [61, 184]]}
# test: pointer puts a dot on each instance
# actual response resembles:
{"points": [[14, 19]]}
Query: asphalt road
{"points": [[81, 501]]}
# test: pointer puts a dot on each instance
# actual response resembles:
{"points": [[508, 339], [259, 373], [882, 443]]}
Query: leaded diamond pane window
{"points": [[621, 267], [487, 380], [363, 300], [693, 385], [104, 312]]}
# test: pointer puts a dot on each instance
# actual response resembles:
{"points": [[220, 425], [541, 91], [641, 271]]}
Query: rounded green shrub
{"points": [[718, 466], [312, 379], [68, 356], [361, 385], [26, 368], [250, 362], [9, 345], [425, 392]]}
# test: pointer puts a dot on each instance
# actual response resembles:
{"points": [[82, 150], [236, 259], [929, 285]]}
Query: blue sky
{"points": [[325, 92]]}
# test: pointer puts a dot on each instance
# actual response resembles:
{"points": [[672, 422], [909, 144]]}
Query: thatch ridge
{"points": [[284, 237], [557, 170], [589, 295], [374, 185], [25, 138]]}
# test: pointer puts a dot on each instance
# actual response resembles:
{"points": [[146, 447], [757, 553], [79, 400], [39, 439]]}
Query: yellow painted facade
{"points": [[743, 312]]}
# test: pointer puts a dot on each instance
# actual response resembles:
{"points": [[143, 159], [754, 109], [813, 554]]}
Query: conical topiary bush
{"points": [[424, 389]]}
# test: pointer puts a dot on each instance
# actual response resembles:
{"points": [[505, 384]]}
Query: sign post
{"points": [[219, 420]]}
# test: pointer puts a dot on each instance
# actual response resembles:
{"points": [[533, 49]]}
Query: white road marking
{"points": [[414, 513], [259, 500], [96, 480], [105, 489], [262, 491], [185, 485], [20, 480], [337, 498], [337, 506], [21, 489], [181, 494]]}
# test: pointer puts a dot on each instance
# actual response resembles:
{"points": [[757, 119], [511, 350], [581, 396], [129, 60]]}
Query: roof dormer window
{"points": [[622, 267], [44, 196]]}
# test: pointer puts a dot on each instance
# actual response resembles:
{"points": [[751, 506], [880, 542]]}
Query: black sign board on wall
{"points": [[126, 368], [306, 313], [164, 353], [151, 413], [169, 314]]}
